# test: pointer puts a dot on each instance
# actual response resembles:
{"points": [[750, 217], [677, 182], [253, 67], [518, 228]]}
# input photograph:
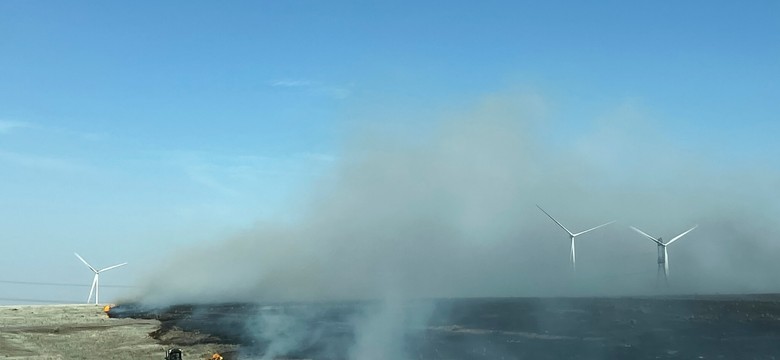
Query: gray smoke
{"points": [[284, 333], [449, 211], [381, 333]]}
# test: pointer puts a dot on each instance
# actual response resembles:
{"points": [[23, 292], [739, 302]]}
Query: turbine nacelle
{"points": [[663, 253]]}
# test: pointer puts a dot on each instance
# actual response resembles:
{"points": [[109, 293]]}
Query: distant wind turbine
{"points": [[663, 255], [96, 279], [572, 236]]}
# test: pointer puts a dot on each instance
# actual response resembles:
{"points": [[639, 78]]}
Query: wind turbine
{"points": [[572, 236], [663, 254], [96, 279]]}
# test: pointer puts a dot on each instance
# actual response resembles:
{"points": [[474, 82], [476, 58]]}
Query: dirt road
{"points": [[83, 332]]}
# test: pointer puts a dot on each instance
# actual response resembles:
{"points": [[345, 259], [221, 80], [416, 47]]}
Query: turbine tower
{"points": [[663, 254], [96, 279], [572, 236]]}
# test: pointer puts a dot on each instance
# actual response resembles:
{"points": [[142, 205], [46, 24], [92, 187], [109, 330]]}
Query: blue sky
{"points": [[128, 129]]}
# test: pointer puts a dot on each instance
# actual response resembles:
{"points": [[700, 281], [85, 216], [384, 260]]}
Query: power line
{"points": [[42, 301], [61, 284]]}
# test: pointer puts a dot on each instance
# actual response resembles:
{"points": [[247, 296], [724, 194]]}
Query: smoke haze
{"points": [[450, 212]]}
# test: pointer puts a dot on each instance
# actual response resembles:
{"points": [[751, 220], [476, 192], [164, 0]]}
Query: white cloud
{"points": [[292, 83], [335, 92], [235, 175], [7, 126], [39, 162], [207, 176], [326, 158]]}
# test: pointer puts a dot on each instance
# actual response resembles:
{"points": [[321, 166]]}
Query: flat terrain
{"points": [[82, 332], [692, 327], [698, 327]]}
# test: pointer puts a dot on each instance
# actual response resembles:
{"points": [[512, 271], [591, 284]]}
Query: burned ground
{"points": [[725, 327]]}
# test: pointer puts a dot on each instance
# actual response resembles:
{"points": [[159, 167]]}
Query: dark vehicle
{"points": [[173, 354]]}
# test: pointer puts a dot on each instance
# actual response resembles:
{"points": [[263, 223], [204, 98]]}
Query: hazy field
{"points": [[679, 327], [82, 332], [691, 327]]}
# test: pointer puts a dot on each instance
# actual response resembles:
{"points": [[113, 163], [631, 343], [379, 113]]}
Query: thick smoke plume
{"points": [[449, 211]]}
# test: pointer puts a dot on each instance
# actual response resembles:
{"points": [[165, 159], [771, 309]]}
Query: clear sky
{"points": [[128, 129]]}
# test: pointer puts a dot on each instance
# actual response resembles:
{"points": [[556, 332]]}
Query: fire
{"points": [[106, 308], [216, 356]]}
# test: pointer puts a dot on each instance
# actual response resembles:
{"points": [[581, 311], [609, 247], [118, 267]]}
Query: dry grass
{"points": [[83, 332]]}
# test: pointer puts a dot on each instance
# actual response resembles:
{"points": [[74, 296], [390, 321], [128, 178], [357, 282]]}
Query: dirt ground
{"points": [[84, 332]]}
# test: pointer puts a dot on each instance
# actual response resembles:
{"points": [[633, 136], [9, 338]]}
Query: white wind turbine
{"points": [[572, 236], [663, 254], [96, 279]]}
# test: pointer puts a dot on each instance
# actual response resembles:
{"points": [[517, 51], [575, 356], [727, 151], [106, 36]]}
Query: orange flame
{"points": [[216, 356], [106, 308]]}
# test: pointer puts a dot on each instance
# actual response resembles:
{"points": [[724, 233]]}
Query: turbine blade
{"points": [[666, 262], [573, 256], [85, 262], [92, 289], [112, 267], [681, 235], [648, 236], [556, 221], [591, 229]]}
